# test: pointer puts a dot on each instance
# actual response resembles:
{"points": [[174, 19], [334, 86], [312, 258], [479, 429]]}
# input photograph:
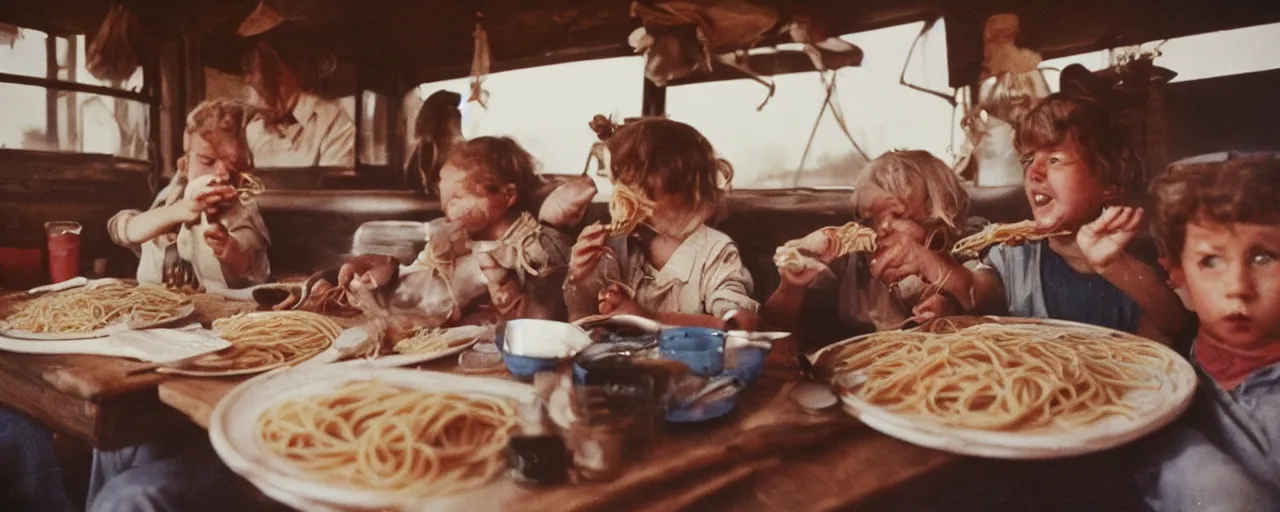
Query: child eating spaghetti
{"points": [[842, 298], [197, 232], [489, 243], [1079, 177], [658, 258], [1217, 224]]}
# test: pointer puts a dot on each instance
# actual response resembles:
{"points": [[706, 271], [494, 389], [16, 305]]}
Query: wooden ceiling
{"points": [[395, 44]]}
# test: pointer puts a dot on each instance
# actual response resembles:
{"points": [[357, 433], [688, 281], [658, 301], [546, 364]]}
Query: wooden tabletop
{"points": [[767, 455], [92, 398]]}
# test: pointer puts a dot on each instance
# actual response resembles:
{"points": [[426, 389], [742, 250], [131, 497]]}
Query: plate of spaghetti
{"points": [[1009, 387], [431, 343], [85, 313], [262, 341], [370, 438]]}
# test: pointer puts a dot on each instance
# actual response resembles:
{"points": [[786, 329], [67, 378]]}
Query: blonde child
{"points": [[228, 252], [1079, 177], [486, 190], [1217, 224], [682, 271], [833, 300], [183, 473]]}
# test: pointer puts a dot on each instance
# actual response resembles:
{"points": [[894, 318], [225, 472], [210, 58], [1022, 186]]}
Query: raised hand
{"points": [[1104, 239]]}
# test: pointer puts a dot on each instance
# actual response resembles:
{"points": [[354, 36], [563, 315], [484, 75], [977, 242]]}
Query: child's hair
{"points": [[224, 117], [1102, 143], [1239, 189], [494, 162], [900, 172], [658, 154]]}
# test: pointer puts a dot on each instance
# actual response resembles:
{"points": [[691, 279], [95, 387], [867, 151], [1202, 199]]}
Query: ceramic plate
{"points": [[233, 432], [1153, 409]]}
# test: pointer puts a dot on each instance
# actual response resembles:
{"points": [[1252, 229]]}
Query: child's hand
{"points": [[933, 306], [369, 271], [801, 277], [220, 241], [900, 252], [204, 196], [614, 300], [1104, 239], [587, 251], [817, 244]]}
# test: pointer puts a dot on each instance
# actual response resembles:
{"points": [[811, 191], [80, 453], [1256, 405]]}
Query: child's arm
{"points": [[132, 228], [1102, 242], [583, 284], [541, 295], [784, 306]]}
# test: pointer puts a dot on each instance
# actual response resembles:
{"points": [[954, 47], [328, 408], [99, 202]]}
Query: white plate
{"points": [[183, 313], [458, 338], [233, 432], [243, 371], [1154, 409]]}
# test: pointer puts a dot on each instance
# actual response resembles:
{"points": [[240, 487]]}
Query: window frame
{"points": [[53, 85]]}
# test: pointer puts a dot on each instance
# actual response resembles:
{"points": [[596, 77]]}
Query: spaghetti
{"points": [[377, 436], [1003, 377], [250, 187], [423, 340], [837, 241], [1008, 234], [525, 231], [268, 339], [84, 309], [628, 208]]}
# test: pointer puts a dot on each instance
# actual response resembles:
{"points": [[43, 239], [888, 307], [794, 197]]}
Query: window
{"points": [[766, 146], [1194, 57], [55, 104], [547, 108], [374, 128]]}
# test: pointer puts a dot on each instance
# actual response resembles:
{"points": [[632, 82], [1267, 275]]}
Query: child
{"points": [[231, 252], [183, 473], [683, 272], [1078, 176], [487, 190], [910, 185], [1218, 228]]}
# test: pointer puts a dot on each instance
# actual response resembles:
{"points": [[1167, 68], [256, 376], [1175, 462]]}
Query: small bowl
{"points": [[749, 364], [524, 367]]}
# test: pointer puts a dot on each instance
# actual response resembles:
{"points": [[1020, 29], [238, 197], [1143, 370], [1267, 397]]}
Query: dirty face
{"points": [[470, 204], [218, 155]]}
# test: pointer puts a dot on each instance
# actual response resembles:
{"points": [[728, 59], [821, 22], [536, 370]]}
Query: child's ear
{"points": [[1177, 277], [182, 163], [512, 195]]}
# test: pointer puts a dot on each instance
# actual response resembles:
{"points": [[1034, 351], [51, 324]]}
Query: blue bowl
{"points": [[524, 367], [750, 364]]}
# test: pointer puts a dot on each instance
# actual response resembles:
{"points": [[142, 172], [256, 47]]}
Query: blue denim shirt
{"points": [[1245, 421], [1038, 283]]}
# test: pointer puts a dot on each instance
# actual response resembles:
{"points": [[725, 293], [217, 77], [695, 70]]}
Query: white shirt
{"points": [[324, 136]]}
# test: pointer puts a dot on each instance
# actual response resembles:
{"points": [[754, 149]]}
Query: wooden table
{"points": [[768, 455], [92, 398]]}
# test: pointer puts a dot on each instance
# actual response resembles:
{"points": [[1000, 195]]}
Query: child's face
{"points": [[217, 155], [1063, 193], [1232, 280], [468, 204], [672, 216]]}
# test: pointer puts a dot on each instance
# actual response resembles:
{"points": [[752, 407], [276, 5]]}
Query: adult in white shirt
{"points": [[305, 130]]}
